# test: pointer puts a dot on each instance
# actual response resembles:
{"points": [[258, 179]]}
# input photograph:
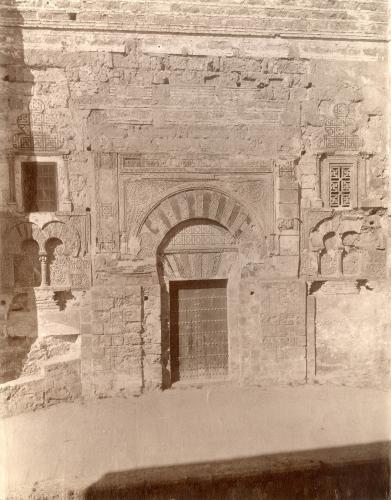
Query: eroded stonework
{"points": [[178, 162]]}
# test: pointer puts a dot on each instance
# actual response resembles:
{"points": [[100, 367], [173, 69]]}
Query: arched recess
{"points": [[27, 265], [66, 233], [15, 236], [201, 256], [24, 244], [336, 243], [330, 255], [190, 203], [19, 233]]}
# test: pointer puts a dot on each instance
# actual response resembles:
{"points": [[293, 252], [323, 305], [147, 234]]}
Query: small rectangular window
{"points": [[39, 187], [340, 186]]}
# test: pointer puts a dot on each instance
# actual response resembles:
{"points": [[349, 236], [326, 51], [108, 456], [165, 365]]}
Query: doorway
{"points": [[198, 329]]}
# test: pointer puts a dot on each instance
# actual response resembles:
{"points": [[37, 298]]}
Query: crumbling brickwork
{"points": [[193, 141]]}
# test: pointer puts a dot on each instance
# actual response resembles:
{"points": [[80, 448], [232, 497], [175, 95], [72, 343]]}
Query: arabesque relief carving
{"points": [[58, 263], [142, 193], [138, 197]]}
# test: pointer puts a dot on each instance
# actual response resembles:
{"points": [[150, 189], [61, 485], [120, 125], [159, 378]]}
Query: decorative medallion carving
{"points": [[340, 131], [36, 132]]}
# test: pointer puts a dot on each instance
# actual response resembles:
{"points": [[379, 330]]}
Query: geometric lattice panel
{"points": [[340, 186]]}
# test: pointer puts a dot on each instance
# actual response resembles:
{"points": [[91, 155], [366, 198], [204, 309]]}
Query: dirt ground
{"points": [[195, 435]]}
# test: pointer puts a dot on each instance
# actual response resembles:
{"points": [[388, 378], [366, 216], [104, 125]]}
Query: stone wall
{"points": [[272, 331], [57, 382], [160, 116], [121, 341], [348, 351], [112, 342]]}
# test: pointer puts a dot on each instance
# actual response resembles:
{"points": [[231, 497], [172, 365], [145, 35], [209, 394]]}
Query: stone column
{"points": [[318, 256], [339, 252], [44, 273]]}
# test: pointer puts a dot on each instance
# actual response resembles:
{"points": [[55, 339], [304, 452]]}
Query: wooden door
{"points": [[198, 329]]}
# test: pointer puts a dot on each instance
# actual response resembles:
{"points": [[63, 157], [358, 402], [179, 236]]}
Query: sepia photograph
{"points": [[195, 263]]}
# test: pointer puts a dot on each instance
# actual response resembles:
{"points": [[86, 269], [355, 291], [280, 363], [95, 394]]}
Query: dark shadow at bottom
{"points": [[357, 472]]}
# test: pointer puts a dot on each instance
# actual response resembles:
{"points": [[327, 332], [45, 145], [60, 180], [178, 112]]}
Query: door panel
{"points": [[198, 329]]}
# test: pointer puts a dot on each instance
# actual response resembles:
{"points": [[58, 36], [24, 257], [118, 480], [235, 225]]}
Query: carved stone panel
{"points": [[80, 273], [258, 194], [106, 186], [282, 309], [58, 264], [272, 323], [78, 189], [139, 195], [162, 163]]}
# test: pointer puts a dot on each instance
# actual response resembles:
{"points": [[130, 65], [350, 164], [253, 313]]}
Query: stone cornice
{"points": [[197, 18]]}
